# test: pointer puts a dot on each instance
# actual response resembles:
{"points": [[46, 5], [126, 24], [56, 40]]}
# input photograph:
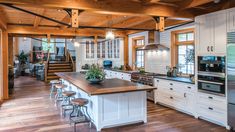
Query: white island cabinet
{"points": [[114, 102]]}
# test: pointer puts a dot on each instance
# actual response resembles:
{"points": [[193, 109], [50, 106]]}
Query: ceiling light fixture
{"points": [[109, 32], [109, 35]]}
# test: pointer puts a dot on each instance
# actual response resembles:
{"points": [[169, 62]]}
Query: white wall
{"points": [[156, 61], [24, 45]]}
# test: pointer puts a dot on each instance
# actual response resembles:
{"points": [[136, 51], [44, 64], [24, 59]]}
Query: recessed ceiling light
{"points": [[59, 10], [216, 1]]}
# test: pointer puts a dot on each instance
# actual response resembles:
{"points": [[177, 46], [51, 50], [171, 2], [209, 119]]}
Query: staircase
{"points": [[57, 66]]}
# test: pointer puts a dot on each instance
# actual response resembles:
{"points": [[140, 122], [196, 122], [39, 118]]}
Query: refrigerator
{"points": [[231, 78]]}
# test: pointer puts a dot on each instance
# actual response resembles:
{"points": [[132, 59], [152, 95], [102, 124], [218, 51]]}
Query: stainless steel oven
{"points": [[211, 84], [211, 65]]}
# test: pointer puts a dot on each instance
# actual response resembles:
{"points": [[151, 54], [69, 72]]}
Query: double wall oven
{"points": [[211, 74]]}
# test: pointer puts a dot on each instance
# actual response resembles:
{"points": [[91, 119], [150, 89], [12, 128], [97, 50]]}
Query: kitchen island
{"points": [[113, 102]]}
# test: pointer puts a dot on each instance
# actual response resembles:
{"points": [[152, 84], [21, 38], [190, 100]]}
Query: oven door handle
{"points": [[217, 83]]}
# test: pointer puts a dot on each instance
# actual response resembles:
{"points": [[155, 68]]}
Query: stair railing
{"points": [[70, 59], [47, 65]]}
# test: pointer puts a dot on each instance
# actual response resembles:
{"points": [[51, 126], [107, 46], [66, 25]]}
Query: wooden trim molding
{"points": [[175, 43], [134, 47]]}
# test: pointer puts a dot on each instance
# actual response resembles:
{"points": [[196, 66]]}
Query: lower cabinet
{"points": [[180, 96], [117, 74], [212, 108]]}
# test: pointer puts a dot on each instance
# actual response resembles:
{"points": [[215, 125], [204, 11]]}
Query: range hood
{"points": [[153, 42]]}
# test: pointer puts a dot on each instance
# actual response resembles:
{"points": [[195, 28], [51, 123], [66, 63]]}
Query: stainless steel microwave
{"points": [[211, 65]]}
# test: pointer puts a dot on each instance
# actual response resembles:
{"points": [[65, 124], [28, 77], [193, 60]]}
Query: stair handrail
{"points": [[46, 65], [70, 58]]}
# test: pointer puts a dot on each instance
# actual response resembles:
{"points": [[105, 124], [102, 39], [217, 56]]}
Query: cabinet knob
{"points": [[189, 87], [171, 83], [157, 80], [171, 88], [208, 48], [210, 108], [210, 97], [171, 97], [212, 48]]}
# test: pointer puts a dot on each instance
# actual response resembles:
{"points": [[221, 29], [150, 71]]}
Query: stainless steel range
{"points": [[146, 79]]}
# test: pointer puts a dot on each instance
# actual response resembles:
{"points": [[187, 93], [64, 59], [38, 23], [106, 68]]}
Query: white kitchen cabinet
{"points": [[178, 95], [231, 20], [212, 108], [211, 33], [117, 74]]}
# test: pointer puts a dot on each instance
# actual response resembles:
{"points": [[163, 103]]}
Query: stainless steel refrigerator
{"points": [[231, 78]]}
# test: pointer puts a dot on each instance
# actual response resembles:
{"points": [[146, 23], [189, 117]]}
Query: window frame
{"points": [[175, 43], [135, 47]]}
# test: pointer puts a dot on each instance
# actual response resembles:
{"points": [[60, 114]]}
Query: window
{"points": [[183, 51], [139, 54], [139, 58], [46, 46]]}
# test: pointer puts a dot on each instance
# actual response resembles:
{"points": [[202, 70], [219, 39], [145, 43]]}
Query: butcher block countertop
{"points": [[108, 86]]}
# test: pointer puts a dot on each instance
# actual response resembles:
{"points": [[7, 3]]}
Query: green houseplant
{"points": [[95, 74], [22, 59]]}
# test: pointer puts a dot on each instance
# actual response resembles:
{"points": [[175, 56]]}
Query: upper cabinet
{"points": [[231, 20], [211, 34]]}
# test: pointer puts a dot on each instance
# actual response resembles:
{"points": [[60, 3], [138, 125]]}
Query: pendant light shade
{"points": [[109, 35]]}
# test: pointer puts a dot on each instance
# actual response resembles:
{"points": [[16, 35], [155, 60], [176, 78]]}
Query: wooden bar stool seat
{"points": [[80, 101], [60, 86], [68, 93]]}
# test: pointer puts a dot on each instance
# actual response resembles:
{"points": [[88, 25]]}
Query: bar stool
{"points": [[67, 96], [53, 83], [81, 116], [59, 90]]}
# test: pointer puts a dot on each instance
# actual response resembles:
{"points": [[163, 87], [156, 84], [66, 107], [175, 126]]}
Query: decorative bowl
{"points": [[95, 81]]}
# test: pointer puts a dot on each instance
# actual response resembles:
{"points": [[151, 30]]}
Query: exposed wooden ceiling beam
{"points": [[29, 30], [132, 22], [107, 6], [193, 3], [37, 19], [115, 20], [3, 19]]}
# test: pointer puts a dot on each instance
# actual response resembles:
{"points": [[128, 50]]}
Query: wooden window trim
{"points": [[134, 47], [175, 43]]}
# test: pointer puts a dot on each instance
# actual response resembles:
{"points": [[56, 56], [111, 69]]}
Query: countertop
{"points": [[178, 79], [108, 86]]}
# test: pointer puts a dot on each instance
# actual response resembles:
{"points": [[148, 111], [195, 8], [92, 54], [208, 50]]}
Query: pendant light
{"points": [[109, 32], [76, 41]]}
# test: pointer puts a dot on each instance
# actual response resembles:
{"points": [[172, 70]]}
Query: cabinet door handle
{"points": [[189, 87], [210, 97], [171, 97], [171, 84], [171, 88], [208, 48], [185, 95], [210, 108], [212, 48], [157, 80]]}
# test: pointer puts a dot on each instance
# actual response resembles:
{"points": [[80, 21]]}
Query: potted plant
{"points": [[95, 74], [22, 59], [40, 57]]}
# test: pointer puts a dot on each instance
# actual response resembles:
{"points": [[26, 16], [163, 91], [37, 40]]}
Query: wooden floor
{"points": [[31, 110]]}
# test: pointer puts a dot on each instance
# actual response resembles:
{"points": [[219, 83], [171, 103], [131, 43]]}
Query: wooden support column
{"points": [[10, 51], [126, 56], [4, 47]]}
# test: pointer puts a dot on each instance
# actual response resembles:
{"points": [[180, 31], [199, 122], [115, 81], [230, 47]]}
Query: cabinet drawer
{"points": [[212, 113], [212, 100]]}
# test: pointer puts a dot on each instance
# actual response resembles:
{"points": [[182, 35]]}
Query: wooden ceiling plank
{"points": [[193, 3], [107, 6], [131, 22], [37, 19]]}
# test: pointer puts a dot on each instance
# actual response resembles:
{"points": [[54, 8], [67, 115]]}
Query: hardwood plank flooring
{"points": [[31, 109]]}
